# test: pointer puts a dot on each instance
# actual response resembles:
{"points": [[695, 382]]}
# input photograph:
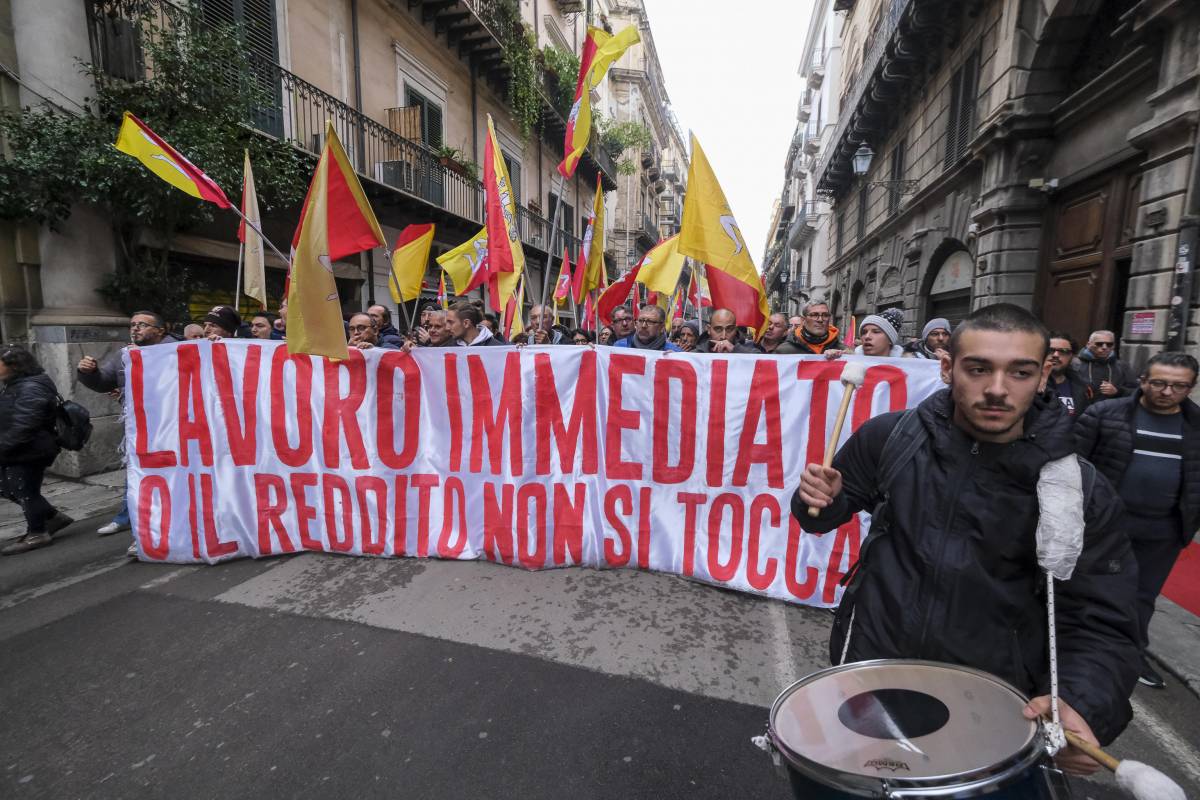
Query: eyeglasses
{"points": [[1160, 386], [1102, 344], [1062, 351], [818, 316], [648, 322], [137, 326]]}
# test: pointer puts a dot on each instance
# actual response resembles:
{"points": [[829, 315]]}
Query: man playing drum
{"points": [[949, 571]]}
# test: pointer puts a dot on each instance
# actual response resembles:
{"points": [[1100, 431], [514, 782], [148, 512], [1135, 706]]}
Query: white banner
{"points": [[535, 457]]}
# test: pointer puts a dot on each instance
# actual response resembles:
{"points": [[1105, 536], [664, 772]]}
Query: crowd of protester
{"points": [[1139, 428]]}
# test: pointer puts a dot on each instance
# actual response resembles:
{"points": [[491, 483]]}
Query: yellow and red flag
{"points": [[591, 274], [600, 50], [709, 232], [616, 295], [851, 337], [255, 266], [166, 162], [562, 289], [514, 322], [442, 297], [661, 266], [409, 261], [336, 221], [500, 212], [467, 264], [698, 294]]}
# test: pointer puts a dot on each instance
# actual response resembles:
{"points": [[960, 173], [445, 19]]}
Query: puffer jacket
{"points": [[1094, 371], [795, 345], [28, 408], [1104, 436], [950, 569]]}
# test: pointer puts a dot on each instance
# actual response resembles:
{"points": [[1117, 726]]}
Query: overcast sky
{"points": [[731, 73]]}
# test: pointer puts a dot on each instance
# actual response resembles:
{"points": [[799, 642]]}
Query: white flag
{"points": [[256, 275]]}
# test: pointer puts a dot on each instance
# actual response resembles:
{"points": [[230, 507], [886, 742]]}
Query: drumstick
{"points": [[1142, 781], [853, 375]]}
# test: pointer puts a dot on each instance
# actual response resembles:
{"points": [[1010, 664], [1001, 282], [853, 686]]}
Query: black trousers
{"points": [[22, 483], [1155, 558]]}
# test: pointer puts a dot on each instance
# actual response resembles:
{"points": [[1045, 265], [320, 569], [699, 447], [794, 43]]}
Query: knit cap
{"points": [[888, 321]]}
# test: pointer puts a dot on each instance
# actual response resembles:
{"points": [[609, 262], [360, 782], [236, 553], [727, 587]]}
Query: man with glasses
{"points": [[1105, 375], [724, 336], [146, 328], [815, 336], [650, 331], [1062, 382], [1148, 446], [364, 334], [622, 323]]}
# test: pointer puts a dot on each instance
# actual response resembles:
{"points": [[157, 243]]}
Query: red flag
{"points": [[589, 314], [616, 295], [504, 245], [563, 287]]}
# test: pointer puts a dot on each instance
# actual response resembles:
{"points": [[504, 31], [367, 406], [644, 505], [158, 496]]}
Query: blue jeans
{"points": [[122, 517]]}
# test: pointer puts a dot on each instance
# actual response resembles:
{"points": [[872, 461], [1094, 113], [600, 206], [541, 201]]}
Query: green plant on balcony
{"points": [[203, 96], [617, 137], [456, 161], [562, 73], [519, 50]]}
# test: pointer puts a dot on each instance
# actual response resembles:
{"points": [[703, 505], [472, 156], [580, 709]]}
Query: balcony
{"points": [[805, 226], [648, 232], [396, 169], [816, 71], [812, 141], [804, 111]]}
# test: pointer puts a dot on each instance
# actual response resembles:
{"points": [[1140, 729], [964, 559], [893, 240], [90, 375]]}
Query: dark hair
{"points": [[387, 314], [591, 337], [267, 315], [468, 312], [490, 317], [1002, 317], [159, 322], [20, 361], [1171, 358], [1068, 337]]}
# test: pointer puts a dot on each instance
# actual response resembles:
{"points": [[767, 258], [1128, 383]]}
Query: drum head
{"points": [[900, 721]]}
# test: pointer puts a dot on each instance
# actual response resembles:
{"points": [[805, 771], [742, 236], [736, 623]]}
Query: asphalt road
{"points": [[325, 676]]}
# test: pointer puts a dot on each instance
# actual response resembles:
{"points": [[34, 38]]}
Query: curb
{"points": [[1175, 643]]}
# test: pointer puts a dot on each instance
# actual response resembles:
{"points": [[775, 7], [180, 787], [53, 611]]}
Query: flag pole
{"points": [[553, 235], [237, 285], [258, 230]]}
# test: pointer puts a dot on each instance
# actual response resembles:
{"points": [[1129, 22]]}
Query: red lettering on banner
{"points": [[299, 455], [192, 523], [821, 373], [614, 556], [270, 513], [498, 523], [535, 558], [213, 544], [849, 535], [400, 516], [335, 495], [691, 502], [372, 529], [423, 483], [385, 409], [763, 400], [158, 459], [581, 431], [716, 423], [568, 524], [761, 579], [725, 572], [454, 502], [454, 411], [801, 590], [666, 371], [193, 419], [492, 424], [305, 513], [340, 411], [897, 383], [643, 543], [150, 486], [241, 429], [619, 419]]}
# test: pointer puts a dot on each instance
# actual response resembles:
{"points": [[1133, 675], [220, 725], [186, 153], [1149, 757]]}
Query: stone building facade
{"points": [[1033, 151], [400, 81]]}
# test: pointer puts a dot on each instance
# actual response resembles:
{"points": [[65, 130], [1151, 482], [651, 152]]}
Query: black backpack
{"points": [[72, 425]]}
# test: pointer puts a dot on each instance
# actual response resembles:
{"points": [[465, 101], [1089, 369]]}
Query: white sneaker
{"points": [[132, 551], [111, 528]]}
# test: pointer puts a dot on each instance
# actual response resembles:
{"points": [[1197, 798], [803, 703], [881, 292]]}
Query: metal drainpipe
{"points": [[475, 126], [1185, 263], [366, 258]]}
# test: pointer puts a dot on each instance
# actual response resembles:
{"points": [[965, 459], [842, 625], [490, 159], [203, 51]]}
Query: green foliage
{"points": [[201, 93], [562, 72], [519, 50], [152, 283], [617, 137]]}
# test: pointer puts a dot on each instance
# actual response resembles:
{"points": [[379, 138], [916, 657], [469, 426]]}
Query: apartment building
{"points": [[1033, 151]]}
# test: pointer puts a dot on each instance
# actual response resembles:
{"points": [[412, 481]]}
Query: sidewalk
{"points": [[85, 497]]}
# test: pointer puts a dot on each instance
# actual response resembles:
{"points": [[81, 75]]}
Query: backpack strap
{"points": [[902, 444]]}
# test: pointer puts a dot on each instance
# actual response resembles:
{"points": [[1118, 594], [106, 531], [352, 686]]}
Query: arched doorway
{"points": [[950, 290]]}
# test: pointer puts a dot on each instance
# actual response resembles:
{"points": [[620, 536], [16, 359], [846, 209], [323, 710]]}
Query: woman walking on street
{"points": [[28, 445]]}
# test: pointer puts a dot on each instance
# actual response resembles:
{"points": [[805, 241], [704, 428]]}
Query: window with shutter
{"points": [[566, 223], [256, 18], [431, 117], [514, 175], [840, 232], [896, 176], [864, 196], [960, 122]]}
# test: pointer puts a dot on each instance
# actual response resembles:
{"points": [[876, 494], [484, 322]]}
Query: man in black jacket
{"points": [[949, 571], [466, 326], [1148, 446], [1063, 382], [724, 336], [1106, 375]]}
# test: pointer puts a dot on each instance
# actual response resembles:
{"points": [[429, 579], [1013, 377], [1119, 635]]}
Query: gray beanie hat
{"points": [[933, 325], [888, 321]]}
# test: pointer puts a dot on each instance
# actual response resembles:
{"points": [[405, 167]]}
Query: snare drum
{"points": [[908, 729]]}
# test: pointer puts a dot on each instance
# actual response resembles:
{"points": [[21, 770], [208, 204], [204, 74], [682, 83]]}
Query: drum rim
{"points": [[847, 781]]}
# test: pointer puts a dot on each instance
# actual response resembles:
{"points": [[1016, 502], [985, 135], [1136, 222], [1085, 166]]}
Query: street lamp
{"points": [[861, 161]]}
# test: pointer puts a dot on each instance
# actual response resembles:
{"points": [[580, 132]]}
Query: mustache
{"points": [[994, 407]]}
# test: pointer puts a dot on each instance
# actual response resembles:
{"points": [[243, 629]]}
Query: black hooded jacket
{"points": [[952, 572], [28, 409]]}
